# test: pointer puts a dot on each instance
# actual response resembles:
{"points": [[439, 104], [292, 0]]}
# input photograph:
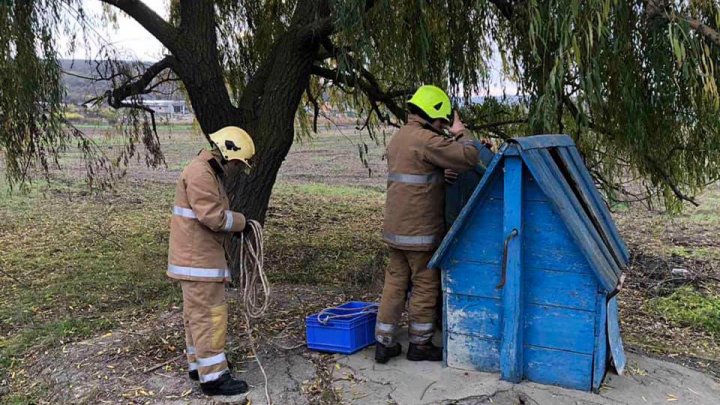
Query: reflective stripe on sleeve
{"points": [[191, 350], [228, 220], [192, 366], [409, 240], [415, 178], [211, 361], [198, 272], [184, 212]]}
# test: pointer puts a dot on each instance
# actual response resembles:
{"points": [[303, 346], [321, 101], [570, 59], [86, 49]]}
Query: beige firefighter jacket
{"points": [[417, 156], [201, 219]]}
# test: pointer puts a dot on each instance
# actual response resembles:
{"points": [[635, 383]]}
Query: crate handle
{"points": [[503, 275]]}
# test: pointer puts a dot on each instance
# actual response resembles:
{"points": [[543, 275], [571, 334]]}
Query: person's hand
{"points": [[486, 142], [457, 126], [450, 176]]}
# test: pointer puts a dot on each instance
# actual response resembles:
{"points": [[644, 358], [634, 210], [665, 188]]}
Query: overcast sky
{"points": [[134, 42]]}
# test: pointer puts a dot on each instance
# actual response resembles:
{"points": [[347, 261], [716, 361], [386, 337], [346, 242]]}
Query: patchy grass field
{"points": [[82, 270]]}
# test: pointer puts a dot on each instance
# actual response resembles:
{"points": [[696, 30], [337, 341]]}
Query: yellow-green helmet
{"points": [[433, 101]]}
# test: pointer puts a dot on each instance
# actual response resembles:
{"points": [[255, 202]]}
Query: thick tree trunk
{"points": [[270, 101]]}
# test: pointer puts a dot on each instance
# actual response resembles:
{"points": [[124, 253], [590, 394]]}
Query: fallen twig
{"points": [[426, 388], [157, 366]]}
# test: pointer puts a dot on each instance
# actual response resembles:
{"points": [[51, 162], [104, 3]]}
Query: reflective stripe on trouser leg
{"points": [[392, 303], [385, 333], [423, 300], [421, 333], [206, 311]]}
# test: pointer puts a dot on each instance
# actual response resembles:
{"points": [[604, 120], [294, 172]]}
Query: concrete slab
{"points": [[647, 381]]}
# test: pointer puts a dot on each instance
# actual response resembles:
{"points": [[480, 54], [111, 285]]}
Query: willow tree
{"points": [[633, 81]]}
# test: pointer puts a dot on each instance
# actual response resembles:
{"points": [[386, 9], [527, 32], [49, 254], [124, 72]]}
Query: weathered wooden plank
{"points": [[560, 289], [543, 141], [553, 249], [474, 316], [476, 279], [557, 193], [531, 190], [478, 195], [600, 359], [605, 213], [592, 243], [558, 367], [472, 353], [613, 330], [512, 316], [560, 328], [586, 192], [481, 239]]}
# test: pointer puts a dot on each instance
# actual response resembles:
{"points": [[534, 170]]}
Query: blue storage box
{"points": [[353, 330]]}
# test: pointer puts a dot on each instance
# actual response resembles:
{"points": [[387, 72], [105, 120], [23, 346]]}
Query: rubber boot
{"points": [[196, 377], [424, 352], [225, 385], [384, 353]]}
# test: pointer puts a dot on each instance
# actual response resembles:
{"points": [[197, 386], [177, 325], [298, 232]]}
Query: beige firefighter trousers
{"points": [[205, 317], [406, 268]]}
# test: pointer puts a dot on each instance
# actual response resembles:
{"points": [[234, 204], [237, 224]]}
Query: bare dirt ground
{"points": [[323, 248]]}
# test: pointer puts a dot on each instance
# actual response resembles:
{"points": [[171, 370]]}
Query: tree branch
{"points": [[369, 86], [153, 23], [662, 9], [116, 96]]}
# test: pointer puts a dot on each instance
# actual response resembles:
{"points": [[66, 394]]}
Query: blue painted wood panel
{"points": [[558, 367], [613, 330], [605, 216], [545, 172], [481, 238], [561, 289], [531, 190], [473, 316], [512, 315], [601, 354], [477, 279], [547, 242], [560, 328], [472, 353]]}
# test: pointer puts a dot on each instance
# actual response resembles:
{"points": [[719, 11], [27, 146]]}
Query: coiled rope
{"points": [[339, 312], [253, 281], [254, 285]]}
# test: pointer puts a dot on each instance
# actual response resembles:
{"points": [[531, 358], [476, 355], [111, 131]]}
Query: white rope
{"points": [[253, 282], [330, 313], [254, 285]]}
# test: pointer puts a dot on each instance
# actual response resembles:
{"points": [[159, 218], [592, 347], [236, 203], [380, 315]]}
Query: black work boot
{"points": [[384, 353], [195, 376], [225, 385], [424, 352]]}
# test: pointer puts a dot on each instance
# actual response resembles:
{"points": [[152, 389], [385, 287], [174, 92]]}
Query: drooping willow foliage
{"points": [[634, 82]]}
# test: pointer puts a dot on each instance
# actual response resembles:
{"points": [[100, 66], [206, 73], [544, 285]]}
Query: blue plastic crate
{"points": [[342, 335]]}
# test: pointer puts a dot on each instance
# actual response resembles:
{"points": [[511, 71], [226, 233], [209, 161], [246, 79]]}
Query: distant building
{"points": [[168, 107]]}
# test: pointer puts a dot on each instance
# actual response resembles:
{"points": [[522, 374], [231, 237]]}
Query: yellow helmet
{"points": [[433, 101], [234, 144]]}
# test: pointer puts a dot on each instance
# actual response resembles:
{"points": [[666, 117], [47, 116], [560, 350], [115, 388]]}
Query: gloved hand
{"points": [[450, 176], [457, 126]]}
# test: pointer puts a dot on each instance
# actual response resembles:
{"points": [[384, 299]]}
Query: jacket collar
{"points": [[213, 160], [418, 121]]}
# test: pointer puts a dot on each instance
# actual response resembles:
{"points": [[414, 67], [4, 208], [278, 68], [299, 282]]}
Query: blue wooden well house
{"points": [[530, 269]]}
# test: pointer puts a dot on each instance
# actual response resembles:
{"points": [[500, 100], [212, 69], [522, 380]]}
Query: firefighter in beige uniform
{"points": [[200, 223], [419, 156]]}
